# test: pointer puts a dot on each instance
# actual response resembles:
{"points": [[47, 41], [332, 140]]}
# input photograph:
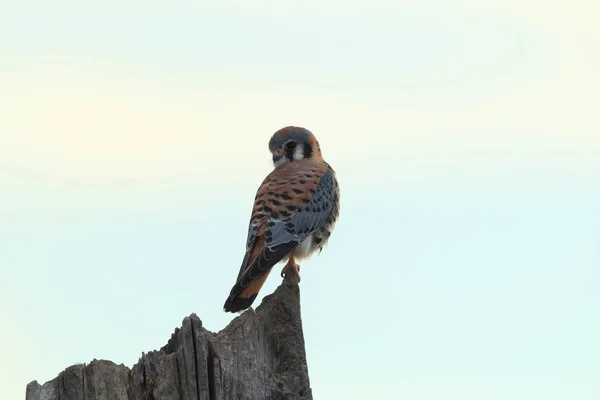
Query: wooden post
{"points": [[259, 355]]}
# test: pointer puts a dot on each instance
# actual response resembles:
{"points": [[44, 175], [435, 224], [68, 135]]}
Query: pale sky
{"points": [[465, 135]]}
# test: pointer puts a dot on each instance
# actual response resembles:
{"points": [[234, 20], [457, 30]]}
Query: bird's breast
{"points": [[306, 248]]}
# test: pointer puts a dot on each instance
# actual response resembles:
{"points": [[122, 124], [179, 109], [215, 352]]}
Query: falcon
{"points": [[295, 211]]}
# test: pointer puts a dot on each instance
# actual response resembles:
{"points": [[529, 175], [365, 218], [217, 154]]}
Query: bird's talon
{"points": [[295, 269]]}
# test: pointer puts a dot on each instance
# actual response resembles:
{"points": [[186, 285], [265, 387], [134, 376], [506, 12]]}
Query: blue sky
{"points": [[465, 136]]}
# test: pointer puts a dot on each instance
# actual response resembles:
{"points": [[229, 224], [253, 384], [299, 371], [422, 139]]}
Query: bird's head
{"points": [[293, 143]]}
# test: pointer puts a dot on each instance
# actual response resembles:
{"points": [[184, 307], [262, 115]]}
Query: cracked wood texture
{"points": [[259, 355]]}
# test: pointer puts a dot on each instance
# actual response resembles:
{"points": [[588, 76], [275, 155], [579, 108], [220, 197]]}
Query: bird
{"points": [[294, 213]]}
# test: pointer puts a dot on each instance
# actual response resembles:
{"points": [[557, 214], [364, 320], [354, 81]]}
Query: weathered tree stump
{"points": [[259, 355]]}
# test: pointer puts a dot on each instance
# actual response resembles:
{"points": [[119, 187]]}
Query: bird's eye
{"points": [[290, 145]]}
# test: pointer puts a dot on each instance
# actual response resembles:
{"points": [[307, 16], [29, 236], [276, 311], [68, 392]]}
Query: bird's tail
{"points": [[240, 300]]}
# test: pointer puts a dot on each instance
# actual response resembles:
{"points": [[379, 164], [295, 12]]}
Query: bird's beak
{"points": [[277, 157]]}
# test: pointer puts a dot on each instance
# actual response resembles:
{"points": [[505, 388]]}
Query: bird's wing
{"points": [[293, 202]]}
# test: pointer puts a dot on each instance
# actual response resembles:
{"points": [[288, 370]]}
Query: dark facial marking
{"points": [[308, 151], [289, 154]]}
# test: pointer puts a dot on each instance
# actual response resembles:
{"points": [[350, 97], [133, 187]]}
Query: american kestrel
{"points": [[295, 210]]}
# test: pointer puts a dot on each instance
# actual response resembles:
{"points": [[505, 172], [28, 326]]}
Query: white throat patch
{"points": [[299, 152], [280, 162]]}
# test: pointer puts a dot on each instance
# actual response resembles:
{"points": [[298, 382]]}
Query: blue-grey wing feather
{"points": [[308, 219]]}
